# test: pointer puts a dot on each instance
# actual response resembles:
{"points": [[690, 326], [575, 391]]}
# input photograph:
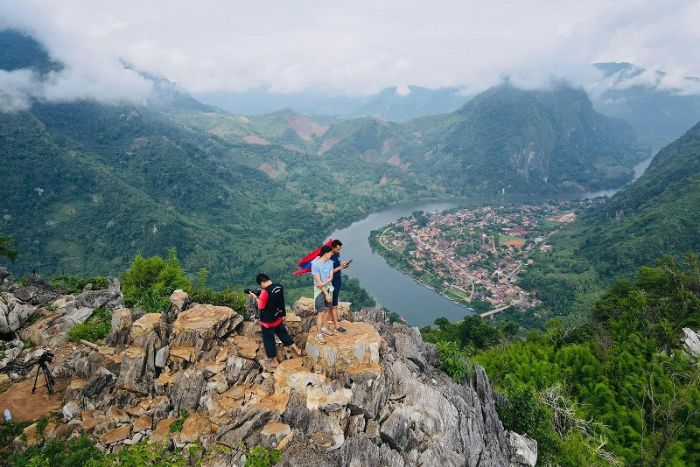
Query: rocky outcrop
{"points": [[370, 396]]}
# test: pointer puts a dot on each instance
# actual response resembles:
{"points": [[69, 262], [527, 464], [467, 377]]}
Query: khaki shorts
{"points": [[320, 303]]}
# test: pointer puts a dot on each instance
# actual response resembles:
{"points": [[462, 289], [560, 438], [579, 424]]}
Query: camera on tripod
{"points": [[45, 358]]}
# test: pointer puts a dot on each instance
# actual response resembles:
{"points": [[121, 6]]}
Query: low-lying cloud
{"points": [[344, 47]]}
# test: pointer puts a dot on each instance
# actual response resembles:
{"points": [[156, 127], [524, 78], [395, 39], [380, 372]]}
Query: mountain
{"points": [[520, 141], [658, 113], [396, 104], [656, 216]]}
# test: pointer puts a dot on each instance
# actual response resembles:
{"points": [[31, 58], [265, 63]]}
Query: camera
{"points": [[46, 357], [255, 292]]}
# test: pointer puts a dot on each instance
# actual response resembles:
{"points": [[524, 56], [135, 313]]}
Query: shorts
{"points": [[336, 292], [320, 303]]}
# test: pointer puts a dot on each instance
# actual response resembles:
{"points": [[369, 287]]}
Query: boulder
{"points": [[356, 351], [116, 435], [202, 325], [121, 328], [13, 312], [196, 428], [99, 385], [135, 374], [273, 433], [110, 298]]}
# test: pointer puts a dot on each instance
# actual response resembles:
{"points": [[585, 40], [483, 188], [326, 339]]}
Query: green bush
{"points": [[226, 297], [259, 456], [176, 426], [75, 285], [453, 360], [96, 327], [149, 282]]}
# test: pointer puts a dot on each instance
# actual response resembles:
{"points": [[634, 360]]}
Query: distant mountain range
{"points": [[88, 185]]}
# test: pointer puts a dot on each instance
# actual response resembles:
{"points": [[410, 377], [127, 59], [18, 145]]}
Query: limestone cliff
{"points": [[370, 397]]}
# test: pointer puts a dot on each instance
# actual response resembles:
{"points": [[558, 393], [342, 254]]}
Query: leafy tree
{"points": [[6, 250]]}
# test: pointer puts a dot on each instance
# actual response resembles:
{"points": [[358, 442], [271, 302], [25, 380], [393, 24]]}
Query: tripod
{"points": [[44, 368]]}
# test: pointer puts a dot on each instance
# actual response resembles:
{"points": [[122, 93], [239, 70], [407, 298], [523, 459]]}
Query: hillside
{"points": [[658, 215], [533, 142]]}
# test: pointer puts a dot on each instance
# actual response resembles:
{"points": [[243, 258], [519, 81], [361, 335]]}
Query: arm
{"points": [[262, 299]]}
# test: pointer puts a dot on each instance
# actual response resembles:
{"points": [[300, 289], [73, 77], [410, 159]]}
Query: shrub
{"points": [[96, 327], [176, 426], [226, 297], [75, 285], [453, 360], [259, 456], [149, 282]]}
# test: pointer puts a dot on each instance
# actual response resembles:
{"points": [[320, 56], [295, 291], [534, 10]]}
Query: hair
{"points": [[336, 243], [324, 249], [260, 278]]}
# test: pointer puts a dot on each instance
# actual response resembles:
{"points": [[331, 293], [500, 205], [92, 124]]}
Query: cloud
{"points": [[348, 47]]}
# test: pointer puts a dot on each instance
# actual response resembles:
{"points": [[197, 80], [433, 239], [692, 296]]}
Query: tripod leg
{"points": [[48, 378], [36, 378]]}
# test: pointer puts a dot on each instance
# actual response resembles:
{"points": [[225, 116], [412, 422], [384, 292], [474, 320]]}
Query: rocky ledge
{"points": [[369, 397]]}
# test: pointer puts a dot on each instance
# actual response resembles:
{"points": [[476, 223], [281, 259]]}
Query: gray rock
{"points": [[4, 274], [71, 410], [691, 342], [110, 298], [240, 371], [523, 450], [187, 389], [245, 426], [361, 451], [99, 385], [135, 373], [162, 357]]}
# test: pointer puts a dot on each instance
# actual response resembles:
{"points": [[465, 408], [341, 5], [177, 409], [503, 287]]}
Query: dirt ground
{"points": [[26, 406]]}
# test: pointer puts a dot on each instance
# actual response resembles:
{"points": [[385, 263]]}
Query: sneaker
{"points": [[320, 338], [341, 329], [327, 332]]}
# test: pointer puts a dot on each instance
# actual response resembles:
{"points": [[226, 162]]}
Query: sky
{"points": [[354, 47]]}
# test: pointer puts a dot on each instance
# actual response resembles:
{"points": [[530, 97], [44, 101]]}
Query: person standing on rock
{"points": [[272, 313], [338, 266], [322, 272]]}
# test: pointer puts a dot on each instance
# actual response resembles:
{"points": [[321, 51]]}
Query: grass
{"points": [[95, 328]]}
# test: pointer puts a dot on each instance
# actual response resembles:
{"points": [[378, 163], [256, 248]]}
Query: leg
{"points": [[286, 339], [268, 336]]}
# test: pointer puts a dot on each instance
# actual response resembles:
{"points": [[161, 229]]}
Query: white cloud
{"points": [[358, 46]]}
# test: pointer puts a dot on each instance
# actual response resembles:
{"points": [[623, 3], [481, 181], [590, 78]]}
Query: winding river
{"points": [[393, 289]]}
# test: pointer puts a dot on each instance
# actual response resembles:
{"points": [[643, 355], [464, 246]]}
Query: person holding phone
{"points": [[338, 266]]}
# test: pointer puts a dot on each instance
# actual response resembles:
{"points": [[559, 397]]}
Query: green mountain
{"points": [[657, 215], [522, 141]]}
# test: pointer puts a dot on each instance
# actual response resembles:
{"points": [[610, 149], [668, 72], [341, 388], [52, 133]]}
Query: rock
{"points": [[145, 329], [143, 423], [115, 435], [162, 356], [187, 389], [90, 419], [244, 427], [240, 371], [9, 351], [162, 432], [247, 347], [99, 385], [523, 450], [691, 342], [121, 328], [196, 428], [4, 274], [13, 312], [202, 325], [361, 451], [135, 375], [178, 299], [110, 298], [326, 399], [407, 347], [273, 433], [116, 415], [70, 410], [52, 330], [356, 351], [304, 307]]}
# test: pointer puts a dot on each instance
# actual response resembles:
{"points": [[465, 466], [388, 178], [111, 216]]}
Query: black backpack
{"points": [[274, 308]]}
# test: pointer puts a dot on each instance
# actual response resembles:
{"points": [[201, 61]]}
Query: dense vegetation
{"points": [[658, 214], [619, 390]]}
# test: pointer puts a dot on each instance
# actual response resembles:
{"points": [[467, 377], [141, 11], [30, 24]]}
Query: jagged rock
{"points": [[178, 300], [240, 371], [121, 328], [247, 346], [135, 375], [4, 274], [162, 432], [91, 418], [245, 426], [324, 428], [523, 450], [99, 385], [146, 329], [196, 428], [36, 292], [327, 399], [110, 298], [691, 342], [356, 351], [116, 415], [9, 351], [202, 325], [187, 389], [13, 312], [407, 346], [115, 435], [362, 451], [273, 433]]}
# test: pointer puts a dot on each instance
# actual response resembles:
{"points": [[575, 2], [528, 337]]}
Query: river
{"points": [[393, 289]]}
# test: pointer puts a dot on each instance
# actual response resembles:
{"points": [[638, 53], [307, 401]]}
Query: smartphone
{"points": [[349, 261]]}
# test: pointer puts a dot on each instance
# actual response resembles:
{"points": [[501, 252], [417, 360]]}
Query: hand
{"points": [[344, 264]]}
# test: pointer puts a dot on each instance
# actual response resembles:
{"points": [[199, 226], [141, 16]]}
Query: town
{"points": [[475, 256]]}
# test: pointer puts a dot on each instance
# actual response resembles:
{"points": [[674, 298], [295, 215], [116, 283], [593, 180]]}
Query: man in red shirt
{"points": [[272, 313]]}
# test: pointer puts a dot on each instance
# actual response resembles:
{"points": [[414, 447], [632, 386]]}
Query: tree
{"points": [[6, 250]]}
